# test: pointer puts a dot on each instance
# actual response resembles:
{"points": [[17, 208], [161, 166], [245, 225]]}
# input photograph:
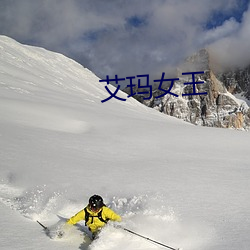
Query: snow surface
{"points": [[182, 185]]}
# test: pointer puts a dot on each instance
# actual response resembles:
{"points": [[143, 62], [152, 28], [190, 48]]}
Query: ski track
{"points": [[145, 214]]}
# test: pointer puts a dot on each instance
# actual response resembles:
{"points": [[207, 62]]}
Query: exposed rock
{"points": [[218, 108], [237, 81]]}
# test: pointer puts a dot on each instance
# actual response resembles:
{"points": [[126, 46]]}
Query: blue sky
{"points": [[134, 36], [218, 17]]}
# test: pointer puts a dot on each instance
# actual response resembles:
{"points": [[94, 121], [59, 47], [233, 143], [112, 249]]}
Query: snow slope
{"points": [[176, 183]]}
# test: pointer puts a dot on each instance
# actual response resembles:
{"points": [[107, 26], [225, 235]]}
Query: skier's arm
{"points": [[77, 217], [110, 214]]}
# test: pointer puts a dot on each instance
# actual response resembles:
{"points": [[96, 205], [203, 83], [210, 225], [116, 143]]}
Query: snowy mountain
{"points": [[183, 185], [237, 81], [220, 107]]}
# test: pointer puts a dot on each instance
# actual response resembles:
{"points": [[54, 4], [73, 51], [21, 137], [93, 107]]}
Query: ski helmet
{"points": [[95, 202]]}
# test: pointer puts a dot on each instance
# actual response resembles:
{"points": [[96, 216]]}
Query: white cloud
{"points": [[226, 29], [98, 34], [233, 50]]}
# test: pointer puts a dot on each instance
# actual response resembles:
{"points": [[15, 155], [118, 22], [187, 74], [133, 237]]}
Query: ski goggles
{"points": [[94, 208]]}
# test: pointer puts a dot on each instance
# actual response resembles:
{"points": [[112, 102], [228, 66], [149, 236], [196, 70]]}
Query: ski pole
{"points": [[150, 239], [45, 228]]}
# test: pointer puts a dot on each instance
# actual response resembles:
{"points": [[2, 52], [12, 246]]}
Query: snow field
{"points": [[181, 185], [146, 215]]}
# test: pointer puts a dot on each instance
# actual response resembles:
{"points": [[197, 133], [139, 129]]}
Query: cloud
{"points": [[123, 37], [226, 29], [233, 49]]}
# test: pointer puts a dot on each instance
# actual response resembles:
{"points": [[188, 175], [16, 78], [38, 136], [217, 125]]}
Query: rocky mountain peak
{"points": [[199, 61], [219, 107]]}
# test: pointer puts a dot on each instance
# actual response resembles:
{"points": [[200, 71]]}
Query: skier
{"points": [[95, 214]]}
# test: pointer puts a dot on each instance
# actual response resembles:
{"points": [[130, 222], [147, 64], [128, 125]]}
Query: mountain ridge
{"points": [[220, 107]]}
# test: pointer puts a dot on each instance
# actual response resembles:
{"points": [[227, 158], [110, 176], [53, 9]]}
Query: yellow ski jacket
{"points": [[94, 223]]}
